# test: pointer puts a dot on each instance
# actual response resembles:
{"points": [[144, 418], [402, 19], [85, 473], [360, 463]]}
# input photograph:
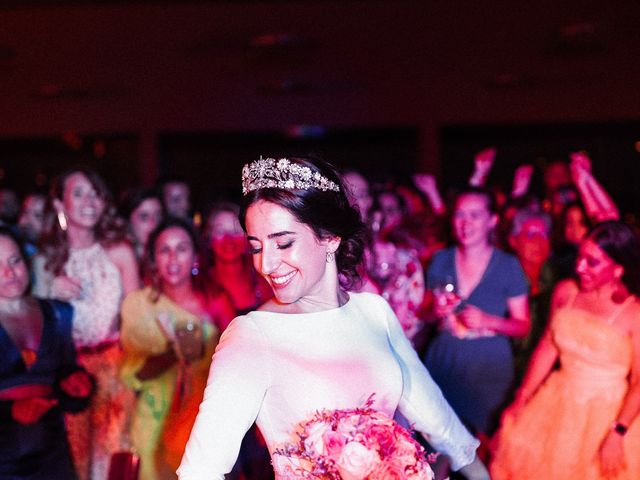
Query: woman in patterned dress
{"points": [[85, 261]]}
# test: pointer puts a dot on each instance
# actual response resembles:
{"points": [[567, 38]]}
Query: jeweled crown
{"points": [[283, 173]]}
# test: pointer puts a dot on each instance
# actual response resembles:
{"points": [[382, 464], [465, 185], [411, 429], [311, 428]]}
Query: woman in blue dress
{"points": [[480, 297], [39, 376]]}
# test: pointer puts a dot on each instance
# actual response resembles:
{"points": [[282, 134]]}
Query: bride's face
{"points": [[289, 255]]}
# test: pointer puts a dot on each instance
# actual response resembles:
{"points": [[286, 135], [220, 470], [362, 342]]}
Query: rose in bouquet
{"points": [[353, 444]]}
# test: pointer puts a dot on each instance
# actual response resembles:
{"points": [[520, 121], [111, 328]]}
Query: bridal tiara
{"points": [[283, 174]]}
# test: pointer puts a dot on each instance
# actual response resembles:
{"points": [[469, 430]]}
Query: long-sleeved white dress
{"points": [[278, 369]]}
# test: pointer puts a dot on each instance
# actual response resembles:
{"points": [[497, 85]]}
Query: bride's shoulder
{"points": [[368, 300]]}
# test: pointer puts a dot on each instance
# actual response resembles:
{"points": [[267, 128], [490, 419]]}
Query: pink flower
{"points": [[356, 461], [333, 442], [383, 436], [353, 444], [389, 471]]}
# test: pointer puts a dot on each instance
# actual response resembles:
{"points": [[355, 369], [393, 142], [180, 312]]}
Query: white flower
{"points": [[315, 438], [356, 461]]}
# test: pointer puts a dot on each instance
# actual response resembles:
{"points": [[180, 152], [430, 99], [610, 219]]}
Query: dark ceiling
{"points": [[105, 65]]}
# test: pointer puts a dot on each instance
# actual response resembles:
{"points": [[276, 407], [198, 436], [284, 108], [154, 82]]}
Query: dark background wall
{"points": [[144, 87]]}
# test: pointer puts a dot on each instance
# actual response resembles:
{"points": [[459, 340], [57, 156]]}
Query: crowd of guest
{"points": [[485, 282]]}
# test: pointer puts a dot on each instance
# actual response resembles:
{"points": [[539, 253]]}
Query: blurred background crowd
{"points": [[154, 280]]}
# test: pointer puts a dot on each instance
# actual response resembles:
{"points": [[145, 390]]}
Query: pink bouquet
{"points": [[353, 444]]}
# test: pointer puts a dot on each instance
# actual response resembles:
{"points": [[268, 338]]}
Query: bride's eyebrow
{"points": [[272, 235]]}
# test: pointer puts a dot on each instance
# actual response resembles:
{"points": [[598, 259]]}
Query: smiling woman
{"points": [[581, 394], [168, 335], [86, 261], [484, 302], [316, 345]]}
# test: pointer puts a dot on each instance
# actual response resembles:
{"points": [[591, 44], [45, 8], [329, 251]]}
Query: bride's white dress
{"points": [[278, 369]]}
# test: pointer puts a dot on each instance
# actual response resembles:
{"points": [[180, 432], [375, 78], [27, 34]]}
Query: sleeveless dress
{"points": [[98, 431], [558, 433]]}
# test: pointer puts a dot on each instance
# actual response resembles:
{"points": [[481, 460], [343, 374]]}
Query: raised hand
{"points": [[580, 166], [482, 163], [521, 180], [425, 182]]}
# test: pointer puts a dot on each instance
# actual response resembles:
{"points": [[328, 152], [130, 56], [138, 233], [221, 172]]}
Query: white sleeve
{"points": [[423, 404], [237, 383]]}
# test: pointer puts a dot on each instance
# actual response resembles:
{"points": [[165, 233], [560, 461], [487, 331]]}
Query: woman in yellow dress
{"points": [[169, 334], [580, 420]]}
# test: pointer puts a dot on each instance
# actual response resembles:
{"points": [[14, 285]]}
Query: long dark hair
{"points": [[109, 230], [327, 212], [621, 243], [199, 277]]}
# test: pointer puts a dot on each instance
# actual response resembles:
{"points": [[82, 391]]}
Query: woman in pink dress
{"points": [[580, 420]]}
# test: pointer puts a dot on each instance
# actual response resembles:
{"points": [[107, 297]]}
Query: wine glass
{"points": [[189, 340], [448, 302]]}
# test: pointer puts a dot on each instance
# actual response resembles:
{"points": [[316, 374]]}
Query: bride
{"points": [[315, 345]]}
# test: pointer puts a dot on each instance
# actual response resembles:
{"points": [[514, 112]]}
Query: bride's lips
{"points": [[282, 281]]}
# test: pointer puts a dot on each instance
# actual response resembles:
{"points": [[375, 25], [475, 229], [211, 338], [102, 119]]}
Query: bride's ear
{"points": [[333, 243]]}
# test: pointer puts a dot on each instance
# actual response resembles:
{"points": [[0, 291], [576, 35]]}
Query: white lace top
{"points": [[278, 369], [96, 312]]}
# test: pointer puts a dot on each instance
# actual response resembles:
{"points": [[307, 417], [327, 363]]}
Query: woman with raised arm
{"points": [[580, 420], [39, 376], [86, 261], [315, 346]]}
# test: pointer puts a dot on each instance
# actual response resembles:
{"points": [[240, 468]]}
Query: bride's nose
{"points": [[269, 261]]}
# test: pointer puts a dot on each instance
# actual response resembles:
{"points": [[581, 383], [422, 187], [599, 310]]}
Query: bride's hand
{"points": [[475, 470], [611, 455]]}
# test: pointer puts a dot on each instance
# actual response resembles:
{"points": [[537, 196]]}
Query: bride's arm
{"points": [[237, 383], [423, 404]]}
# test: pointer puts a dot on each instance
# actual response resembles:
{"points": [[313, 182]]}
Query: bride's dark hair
{"points": [[327, 212]]}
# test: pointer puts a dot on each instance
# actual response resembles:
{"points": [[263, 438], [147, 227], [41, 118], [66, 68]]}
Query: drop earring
{"points": [[330, 256], [195, 269], [62, 221]]}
